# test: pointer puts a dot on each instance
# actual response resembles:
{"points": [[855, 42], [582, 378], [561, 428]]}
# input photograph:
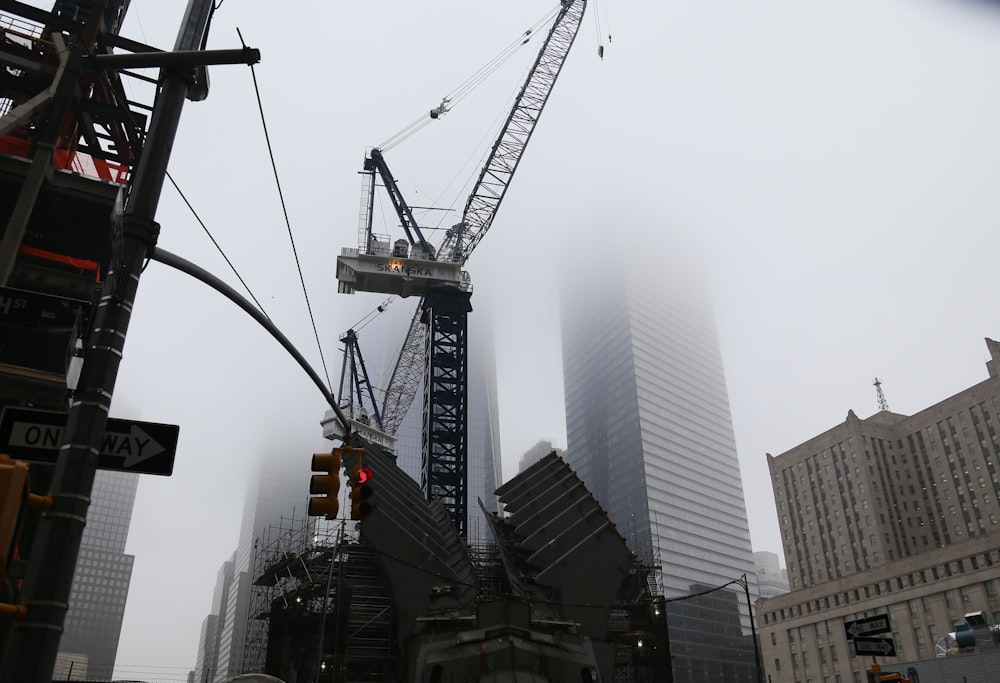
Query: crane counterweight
{"points": [[384, 271]]}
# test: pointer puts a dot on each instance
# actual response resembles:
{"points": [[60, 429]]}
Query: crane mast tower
{"points": [[436, 344]]}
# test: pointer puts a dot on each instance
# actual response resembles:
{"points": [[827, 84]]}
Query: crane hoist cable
{"points": [[483, 202], [463, 89], [475, 161], [374, 313]]}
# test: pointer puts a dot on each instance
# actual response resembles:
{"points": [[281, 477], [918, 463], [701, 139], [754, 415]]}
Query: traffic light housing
{"points": [[13, 501], [361, 491], [325, 488]]}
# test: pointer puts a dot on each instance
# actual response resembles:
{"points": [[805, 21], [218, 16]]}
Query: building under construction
{"points": [[558, 596]]}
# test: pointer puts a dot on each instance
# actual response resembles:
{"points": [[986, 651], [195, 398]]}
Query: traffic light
{"points": [[361, 491], [325, 487], [13, 501]]}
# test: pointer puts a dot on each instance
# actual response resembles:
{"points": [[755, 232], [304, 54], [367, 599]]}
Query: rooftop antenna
{"points": [[882, 403]]}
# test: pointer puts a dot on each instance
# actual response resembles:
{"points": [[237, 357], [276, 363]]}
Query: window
{"points": [[795, 660], [777, 664]]}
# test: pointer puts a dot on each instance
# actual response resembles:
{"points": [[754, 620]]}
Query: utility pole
{"points": [[35, 640]]}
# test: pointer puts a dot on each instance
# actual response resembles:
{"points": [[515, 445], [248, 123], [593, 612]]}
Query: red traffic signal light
{"points": [[325, 487], [361, 492]]}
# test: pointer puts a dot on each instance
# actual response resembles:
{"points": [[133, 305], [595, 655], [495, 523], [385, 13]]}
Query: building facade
{"points": [[892, 515], [650, 433], [101, 582]]}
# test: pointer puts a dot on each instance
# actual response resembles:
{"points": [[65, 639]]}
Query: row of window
{"points": [[918, 577]]}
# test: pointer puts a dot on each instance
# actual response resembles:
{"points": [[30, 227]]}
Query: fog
{"points": [[834, 165]]}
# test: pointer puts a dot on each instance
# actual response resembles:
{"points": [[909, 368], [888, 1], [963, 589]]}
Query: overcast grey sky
{"points": [[837, 162]]}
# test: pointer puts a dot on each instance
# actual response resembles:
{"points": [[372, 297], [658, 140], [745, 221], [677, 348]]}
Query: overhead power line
{"points": [[288, 224], [217, 245]]}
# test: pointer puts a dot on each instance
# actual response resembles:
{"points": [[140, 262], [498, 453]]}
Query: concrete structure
{"points": [[100, 585], [649, 431], [772, 580], [895, 515]]}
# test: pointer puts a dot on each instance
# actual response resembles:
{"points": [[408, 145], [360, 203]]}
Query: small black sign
{"points": [[883, 647], [867, 627]]}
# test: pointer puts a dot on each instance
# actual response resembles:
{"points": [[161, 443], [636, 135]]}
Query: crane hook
{"points": [[441, 109]]}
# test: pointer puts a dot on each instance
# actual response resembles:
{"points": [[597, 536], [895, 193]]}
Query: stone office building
{"points": [[893, 514]]}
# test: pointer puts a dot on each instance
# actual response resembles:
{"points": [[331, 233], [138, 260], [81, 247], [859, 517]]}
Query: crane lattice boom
{"points": [[436, 344], [494, 179]]}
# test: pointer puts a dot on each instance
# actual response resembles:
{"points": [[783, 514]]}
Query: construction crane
{"points": [[435, 348], [883, 404]]}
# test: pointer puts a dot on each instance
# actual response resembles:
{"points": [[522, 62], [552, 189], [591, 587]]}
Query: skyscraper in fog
{"points": [[277, 491], [649, 431], [101, 582]]}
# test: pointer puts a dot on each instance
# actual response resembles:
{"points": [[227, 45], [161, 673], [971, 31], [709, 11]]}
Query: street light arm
{"points": [[199, 273]]}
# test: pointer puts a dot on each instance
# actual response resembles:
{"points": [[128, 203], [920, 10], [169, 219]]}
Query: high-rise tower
{"points": [[100, 585], [274, 493], [649, 431]]}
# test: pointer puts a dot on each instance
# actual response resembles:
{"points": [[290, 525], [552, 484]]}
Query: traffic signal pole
{"points": [[31, 654]]}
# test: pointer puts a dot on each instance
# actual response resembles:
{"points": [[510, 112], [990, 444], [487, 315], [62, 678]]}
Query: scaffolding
{"points": [[319, 610]]}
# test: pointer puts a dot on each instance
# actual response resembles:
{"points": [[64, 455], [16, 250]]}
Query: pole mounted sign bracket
{"points": [[862, 633]]}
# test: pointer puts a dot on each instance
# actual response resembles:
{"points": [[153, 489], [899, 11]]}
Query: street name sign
{"points": [[884, 647], [867, 627], [128, 445]]}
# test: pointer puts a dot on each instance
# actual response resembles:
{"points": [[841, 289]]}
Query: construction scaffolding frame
{"points": [[319, 610]]}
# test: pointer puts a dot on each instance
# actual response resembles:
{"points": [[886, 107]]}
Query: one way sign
{"points": [[128, 446]]}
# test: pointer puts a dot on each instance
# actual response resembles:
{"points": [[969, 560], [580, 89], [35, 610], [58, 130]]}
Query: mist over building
{"points": [[536, 453], [772, 580], [277, 496], [649, 431]]}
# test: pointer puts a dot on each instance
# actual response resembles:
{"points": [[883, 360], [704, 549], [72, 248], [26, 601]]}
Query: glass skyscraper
{"points": [[649, 431], [93, 625]]}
